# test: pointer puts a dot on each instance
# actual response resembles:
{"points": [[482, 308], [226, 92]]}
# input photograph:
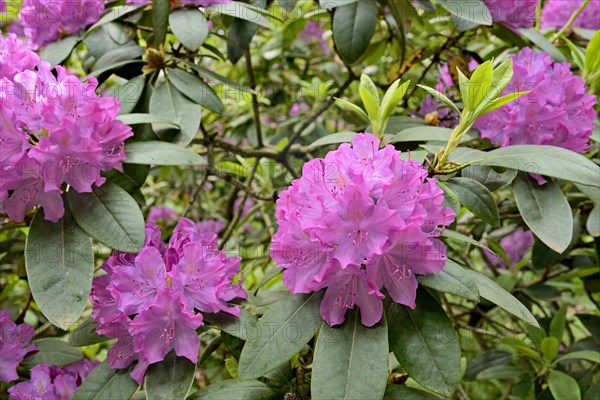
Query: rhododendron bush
{"points": [[299, 199]]}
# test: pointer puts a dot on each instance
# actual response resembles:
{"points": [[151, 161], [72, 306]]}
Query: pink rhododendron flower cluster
{"points": [[55, 130], [162, 216], [53, 382], [515, 246], [356, 222], [513, 13], [557, 112], [556, 13], [14, 346], [313, 33], [15, 57], [152, 301], [46, 21]]}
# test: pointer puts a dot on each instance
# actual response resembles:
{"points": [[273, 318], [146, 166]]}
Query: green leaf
{"points": [[593, 193], [190, 26], [60, 265], [240, 36], [114, 14], [490, 290], [169, 103], [207, 72], [587, 355], [441, 97], [500, 372], [160, 153], [110, 215], [401, 392], [329, 4], [244, 327], [549, 348], [196, 89], [106, 383], [452, 279], [170, 379], [592, 324], [235, 390], [353, 27], [557, 325], [479, 84], [463, 83], [491, 177], [351, 360], [160, 21], [369, 102], [243, 11], [592, 54], [425, 134], [367, 83], [334, 138], [128, 93], [56, 52], [543, 160], [563, 387], [391, 99], [117, 58], [476, 198], [140, 118], [477, 12], [52, 352], [546, 212], [288, 5], [425, 343], [593, 222], [85, 334], [485, 360], [283, 330], [354, 108], [540, 41], [463, 238], [501, 101]]}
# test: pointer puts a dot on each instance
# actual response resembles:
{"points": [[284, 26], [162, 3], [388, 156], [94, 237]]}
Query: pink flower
{"points": [[357, 221], [557, 112], [161, 215], [556, 13], [14, 345], [313, 33], [515, 246], [514, 13], [15, 57], [152, 301], [46, 21], [53, 382]]}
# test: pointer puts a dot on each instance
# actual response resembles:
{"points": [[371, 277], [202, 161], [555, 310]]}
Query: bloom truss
{"points": [[55, 131], [152, 301], [356, 222], [14, 346], [556, 13]]}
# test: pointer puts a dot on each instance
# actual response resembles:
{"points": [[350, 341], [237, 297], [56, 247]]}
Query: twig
{"points": [[255, 107], [574, 16]]}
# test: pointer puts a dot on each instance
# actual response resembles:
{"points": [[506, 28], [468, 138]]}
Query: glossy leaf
{"points": [[353, 27], [110, 215], [235, 390], [452, 279], [401, 392], [53, 352], [160, 21], [60, 265], [160, 153], [476, 198], [563, 387], [56, 52], [106, 383], [170, 379], [196, 89], [190, 26], [350, 360], [85, 334]]}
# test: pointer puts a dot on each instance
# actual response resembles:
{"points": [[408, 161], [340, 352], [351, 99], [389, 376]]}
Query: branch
{"points": [[255, 107]]}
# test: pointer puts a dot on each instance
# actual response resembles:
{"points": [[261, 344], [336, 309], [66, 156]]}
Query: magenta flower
{"points": [[513, 13], [53, 382], [55, 132], [14, 345], [515, 246], [152, 301], [15, 57], [358, 221], [161, 215], [46, 21], [556, 13], [557, 112], [313, 33]]}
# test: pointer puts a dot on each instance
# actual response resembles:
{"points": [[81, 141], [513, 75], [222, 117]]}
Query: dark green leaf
{"points": [[563, 387], [490, 290], [546, 211], [351, 360], [160, 21], [240, 34], [282, 331], [106, 383], [243, 327], [53, 352], [334, 138], [56, 52], [114, 59], [85, 334], [425, 343], [160, 153], [401, 392], [168, 102], [190, 26], [500, 372], [592, 324], [196, 89], [60, 265], [109, 37], [452, 279], [243, 11], [207, 72], [540, 41], [491, 177], [476, 198], [235, 390], [128, 93], [485, 360], [114, 14], [138, 119], [110, 215], [170, 379], [557, 325], [593, 222], [353, 27]]}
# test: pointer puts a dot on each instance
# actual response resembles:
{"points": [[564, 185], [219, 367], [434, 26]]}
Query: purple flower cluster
{"points": [[557, 112], [163, 216], [358, 221], [556, 13], [515, 246], [46, 21], [152, 301], [55, 130], [313, 33], [53, 382], [14, 345], [513, 13]]}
